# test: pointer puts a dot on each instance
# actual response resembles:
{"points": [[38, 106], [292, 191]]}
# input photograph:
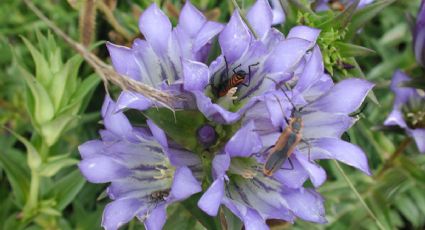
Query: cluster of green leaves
{"points": [[45, 94]]}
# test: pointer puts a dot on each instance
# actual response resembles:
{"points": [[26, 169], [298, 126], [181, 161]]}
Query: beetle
{"points": [[287, 141], [236, 80], [158, 196]]}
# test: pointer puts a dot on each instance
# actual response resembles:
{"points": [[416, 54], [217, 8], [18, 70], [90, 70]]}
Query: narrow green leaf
{"points": [[53, 166], [17, 174], [341, 20], [84, 89], [364, 15], [33, 157], [180, 218], [52, 130], [43, 109], [409, 210], [67, 188], [42, 68], [351, 50]]}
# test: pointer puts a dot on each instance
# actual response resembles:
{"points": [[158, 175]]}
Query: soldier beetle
{"points": [[287, 141]]}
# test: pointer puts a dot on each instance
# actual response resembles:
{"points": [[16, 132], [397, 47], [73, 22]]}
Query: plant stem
{"points": [[388, 163], [113, 21], [359, 197], [235, 4]]}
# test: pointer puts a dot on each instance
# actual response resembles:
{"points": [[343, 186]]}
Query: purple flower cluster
{"points": [[254, 87], [408, 110]]}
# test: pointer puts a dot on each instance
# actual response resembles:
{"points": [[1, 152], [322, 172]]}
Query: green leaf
{"points": [[17, 174], [67, 188], [52, 130], [231, 220], [341, 20], [351, 50], [409, 210], [181, 126], [364, 15], [191, 205], [84, 89], [42, 110], [33, 157], [42, 68], [180, 218], [54, 165]]}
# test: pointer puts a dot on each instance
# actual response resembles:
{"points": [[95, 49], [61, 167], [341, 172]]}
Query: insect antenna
{"points": [[286, 95]]}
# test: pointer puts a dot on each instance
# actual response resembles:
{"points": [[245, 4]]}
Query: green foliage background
{"points": [[50, 101]]}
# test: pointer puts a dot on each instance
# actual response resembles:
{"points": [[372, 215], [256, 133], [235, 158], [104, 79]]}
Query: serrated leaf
{"points": [[53, 166], [351, 50], [17, 174], [181, 128], [362, 16], [67, 188]]}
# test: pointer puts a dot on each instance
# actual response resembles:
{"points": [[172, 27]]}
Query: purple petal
{"points": [[130, 100], [120, 212], [213, 111], [419, 35], [191, 20], [316, 173], [157, 218], [260, 17], [158, 133], [115, 122], [102, 169], [286, 55], [235, 38], [90, 149], [402, 94], [195, 75], [307, 204], [396, 118], [313, 70], [184, 184], [244, 143], [320, 124], [124, 61], [253, 221], [292, 178], [211, 200], [278, 12], [333, 148], [208, 31], [419, 136], [345, 97], [221, 163], [156, 27], [304, 32]]}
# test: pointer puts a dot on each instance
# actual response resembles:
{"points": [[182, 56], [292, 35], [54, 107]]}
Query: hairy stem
{"points": [[359, 197]]}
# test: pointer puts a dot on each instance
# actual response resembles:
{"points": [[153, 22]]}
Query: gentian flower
{"points": [[146, 171], [156, 61], [408, 110], [419, 35], [240, 184], [242, 54]]}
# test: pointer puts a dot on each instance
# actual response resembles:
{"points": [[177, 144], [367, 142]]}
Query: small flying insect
{"points": [[336, 5], [287, 141], [236, 80], [158, 196]]}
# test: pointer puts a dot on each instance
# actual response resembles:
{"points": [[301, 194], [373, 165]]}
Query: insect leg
{"points": [[262, 153], [227, 70], [234, 69], [249, 74], [291, 164], [309, 149]]}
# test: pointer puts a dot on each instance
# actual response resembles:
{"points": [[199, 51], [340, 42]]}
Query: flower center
{"points": [[414, 113]]}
